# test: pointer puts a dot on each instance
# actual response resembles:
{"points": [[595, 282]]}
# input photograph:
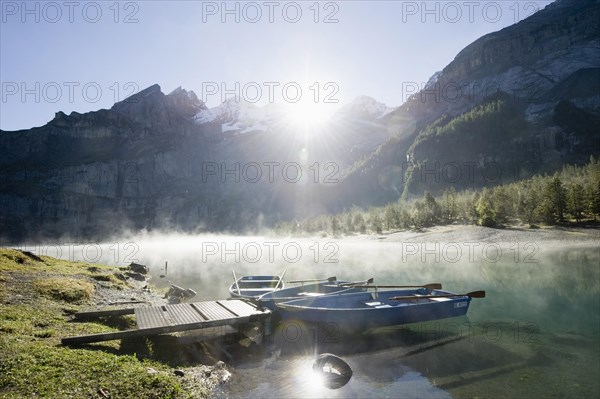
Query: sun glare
{"points": [[307, 115]]}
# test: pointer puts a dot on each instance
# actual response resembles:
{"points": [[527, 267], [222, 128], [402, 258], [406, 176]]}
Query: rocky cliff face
{"points": [[525, 99], [156, 161], [526, 60], [103, 171], [545, 69]]}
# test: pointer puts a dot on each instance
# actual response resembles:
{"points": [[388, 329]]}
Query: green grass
{"points": [[37, 301], [15, 260], [49, 371], [65, 289]]}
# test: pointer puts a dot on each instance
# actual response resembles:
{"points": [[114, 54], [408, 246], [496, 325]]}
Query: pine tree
{"points": [[348, 222], [376, 222], [449, 206], [520, 202], [501, 202], [405, 220], [485, 209], [576, 201], [471, 208], [554, 203], [431, 209], [419, 216], [359, 222], [335, 225], [592, 199], [531, 203], [391, 217]]}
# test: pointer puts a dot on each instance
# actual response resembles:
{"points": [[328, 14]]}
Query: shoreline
{"points": [[39, 296], [206, 380], [560, 236], [440, 233]]}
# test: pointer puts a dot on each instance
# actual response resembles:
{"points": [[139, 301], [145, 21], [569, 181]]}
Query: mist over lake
{"points": [[542, 300]]}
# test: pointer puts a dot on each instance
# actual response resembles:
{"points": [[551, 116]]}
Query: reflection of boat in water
{"points": [[359, 311], [311, 289], [251, 287]]}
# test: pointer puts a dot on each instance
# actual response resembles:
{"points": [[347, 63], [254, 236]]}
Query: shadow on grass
{"points": [[165, 349]]}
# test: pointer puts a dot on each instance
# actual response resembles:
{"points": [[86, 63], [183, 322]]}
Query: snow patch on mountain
{"points": [[239, 116], [365, 106]]}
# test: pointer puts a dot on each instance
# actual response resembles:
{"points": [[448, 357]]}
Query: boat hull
{"points": [[354, 312]]}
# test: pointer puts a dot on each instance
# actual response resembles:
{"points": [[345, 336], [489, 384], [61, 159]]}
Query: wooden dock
{"points": [[154, 320]]}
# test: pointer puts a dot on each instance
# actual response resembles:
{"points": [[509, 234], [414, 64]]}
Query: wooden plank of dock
{"points": [[184, 314], [103, 313], [151, 317], [154, 320], [236, 307]]}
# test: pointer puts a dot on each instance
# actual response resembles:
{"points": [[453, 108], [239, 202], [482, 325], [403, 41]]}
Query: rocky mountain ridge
{"points": [[152, 161], [525, 100], [545, 69]]}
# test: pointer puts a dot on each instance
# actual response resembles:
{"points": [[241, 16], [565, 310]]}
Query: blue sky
{"points": [[83, 56]]}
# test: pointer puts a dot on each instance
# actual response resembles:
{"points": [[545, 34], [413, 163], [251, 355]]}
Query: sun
{"points": [[307, 115]]}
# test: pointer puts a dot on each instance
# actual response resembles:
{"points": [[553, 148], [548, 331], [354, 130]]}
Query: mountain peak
{"points": [[363, 99], [152, 102], [147, 92], [131, 104], [363, 107], [185, 101]]}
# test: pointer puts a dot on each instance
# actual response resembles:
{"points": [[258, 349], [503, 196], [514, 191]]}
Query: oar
{"points": [[431, 286], [281, 278], [236, 283], [474, 294], [330, 280], [369, 281]]}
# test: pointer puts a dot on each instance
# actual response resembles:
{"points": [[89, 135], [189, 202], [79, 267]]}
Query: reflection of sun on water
{"points": [[311, 381]]}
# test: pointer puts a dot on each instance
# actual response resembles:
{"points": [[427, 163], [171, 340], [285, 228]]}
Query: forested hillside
{"points": [[567, 197]]}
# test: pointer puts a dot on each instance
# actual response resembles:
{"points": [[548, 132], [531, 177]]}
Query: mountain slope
{"points": [[167, 161], [545, 70], [522, 100]]}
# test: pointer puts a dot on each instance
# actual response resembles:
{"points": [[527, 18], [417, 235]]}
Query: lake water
{"points": [[536, 334]]}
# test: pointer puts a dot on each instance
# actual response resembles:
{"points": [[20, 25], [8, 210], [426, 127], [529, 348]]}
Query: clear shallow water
{"points": [[536, 334]]}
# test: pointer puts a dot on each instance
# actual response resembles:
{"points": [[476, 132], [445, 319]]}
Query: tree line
{"points": [[571, 195]]}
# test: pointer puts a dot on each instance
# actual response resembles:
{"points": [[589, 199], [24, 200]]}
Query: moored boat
{"points": [[251, 287], [311, 289], [359, 311]]}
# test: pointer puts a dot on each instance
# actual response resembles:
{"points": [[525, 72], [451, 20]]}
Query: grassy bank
{"points": [[38, 296]]}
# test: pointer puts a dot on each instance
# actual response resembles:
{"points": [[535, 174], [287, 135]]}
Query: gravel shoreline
{"points": [[555, 235]]}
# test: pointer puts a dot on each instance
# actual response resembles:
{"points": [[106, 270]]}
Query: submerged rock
{"points": [[334, 372]]}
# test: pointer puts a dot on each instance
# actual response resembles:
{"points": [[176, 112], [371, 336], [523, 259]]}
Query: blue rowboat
{"points": [[251, 287], [309, 291], [360, 311]]}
